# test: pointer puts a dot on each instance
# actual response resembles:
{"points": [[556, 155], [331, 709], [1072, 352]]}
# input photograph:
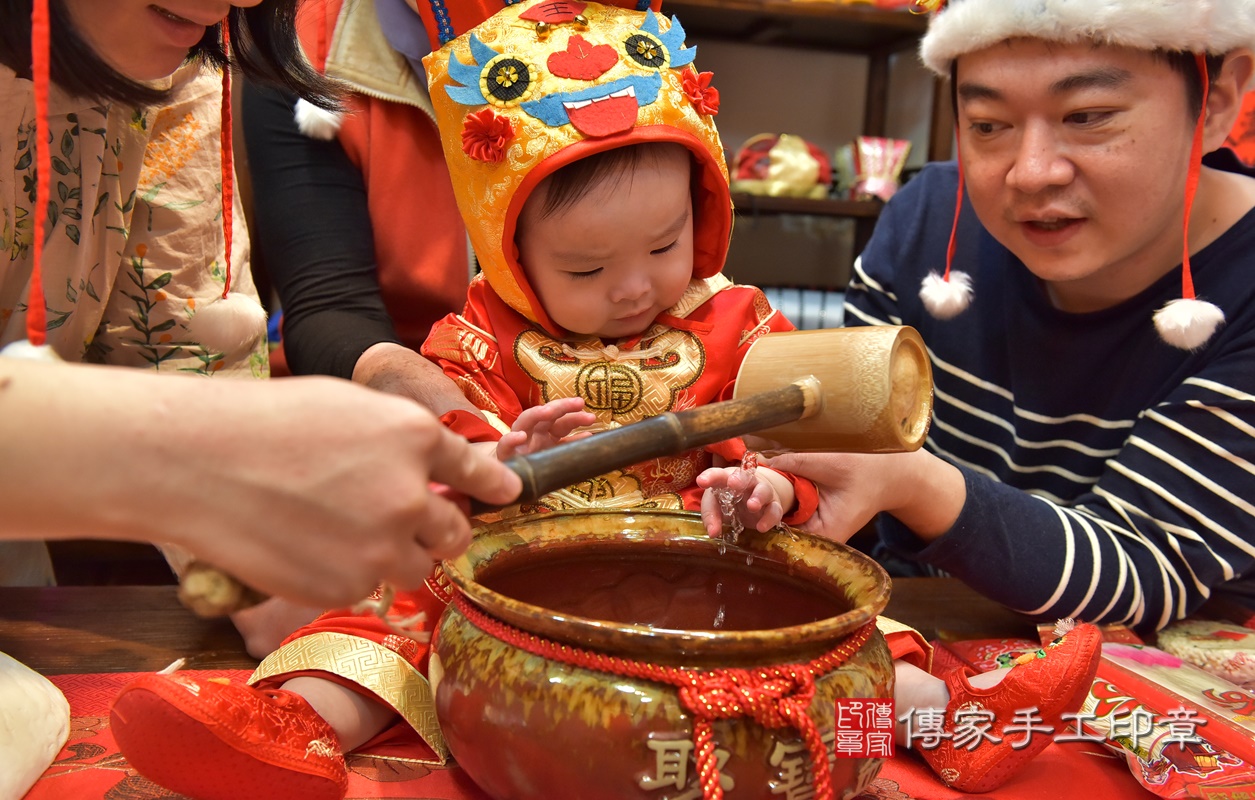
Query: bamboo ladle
{"points": [[848, 389]]}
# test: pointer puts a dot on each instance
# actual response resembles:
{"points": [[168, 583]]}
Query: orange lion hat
{"points": [[542, 83]]}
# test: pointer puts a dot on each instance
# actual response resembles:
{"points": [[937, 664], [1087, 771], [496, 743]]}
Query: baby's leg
{"points": [[915, 689], [266, 625], [356, 718]]}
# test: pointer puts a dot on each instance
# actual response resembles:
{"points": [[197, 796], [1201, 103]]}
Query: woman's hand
{"points": [[314, 489], [398, 370]]}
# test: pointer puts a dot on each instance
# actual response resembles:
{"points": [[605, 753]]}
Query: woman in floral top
{"points": [[134, 249]]}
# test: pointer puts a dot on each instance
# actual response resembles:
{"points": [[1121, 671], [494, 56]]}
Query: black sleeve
{"points": [[313, 236]]}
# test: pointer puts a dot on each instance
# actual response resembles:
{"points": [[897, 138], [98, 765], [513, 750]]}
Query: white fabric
{"points": [[946, 299], [1188, 324], [34, 726], [1212, 26], [315, 122]]}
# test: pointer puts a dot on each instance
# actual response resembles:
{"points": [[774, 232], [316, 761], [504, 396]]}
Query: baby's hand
{"points": [[759, 506], [542, 427]]}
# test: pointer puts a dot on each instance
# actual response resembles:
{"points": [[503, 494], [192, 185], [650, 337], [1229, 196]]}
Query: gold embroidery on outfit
{"points": [[620, 387], [372, 666]]}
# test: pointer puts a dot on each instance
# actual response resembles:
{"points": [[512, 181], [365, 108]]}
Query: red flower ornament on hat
{"points": [[485, 136], [704, 96]]}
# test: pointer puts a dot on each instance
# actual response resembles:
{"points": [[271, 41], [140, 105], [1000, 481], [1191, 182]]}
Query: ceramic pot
{"points": [[542, 703]]}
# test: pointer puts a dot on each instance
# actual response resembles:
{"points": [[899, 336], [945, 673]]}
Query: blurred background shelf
{"points": [[855, 28], [829, 72], [827, 207]]}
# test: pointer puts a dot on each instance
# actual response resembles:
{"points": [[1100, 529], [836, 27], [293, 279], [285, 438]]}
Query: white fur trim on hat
{"points": [[317, 123], [1188, 324], [946, 298], [1192, 26], [230, 324]]}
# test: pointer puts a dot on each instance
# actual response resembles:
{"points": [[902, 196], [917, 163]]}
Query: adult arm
{"points": [[309, 488], [313, 234], [1166, 521]]}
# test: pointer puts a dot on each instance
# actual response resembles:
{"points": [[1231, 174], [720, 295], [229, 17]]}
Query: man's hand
{"points": [[923, 491]]}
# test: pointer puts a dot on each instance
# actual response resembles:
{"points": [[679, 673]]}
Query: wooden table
{"points": [[144, 628]]}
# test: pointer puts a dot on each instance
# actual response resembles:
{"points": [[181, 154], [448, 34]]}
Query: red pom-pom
{"points": [[485, 135], [704, 96]]}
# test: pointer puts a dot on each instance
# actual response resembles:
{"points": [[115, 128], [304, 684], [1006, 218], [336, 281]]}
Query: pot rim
{"points": [[867, 591]]}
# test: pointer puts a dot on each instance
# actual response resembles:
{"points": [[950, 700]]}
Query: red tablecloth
{"points": [[90, 767]]}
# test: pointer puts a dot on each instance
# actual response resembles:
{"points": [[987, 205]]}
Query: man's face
{"points": [[1075, 158]]}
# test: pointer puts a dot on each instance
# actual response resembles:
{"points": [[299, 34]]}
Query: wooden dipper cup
{"points": [[875, 384]]}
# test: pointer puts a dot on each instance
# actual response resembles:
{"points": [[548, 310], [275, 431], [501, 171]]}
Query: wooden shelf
{"points": [[830, 25], [877, 34], [750, 204]]}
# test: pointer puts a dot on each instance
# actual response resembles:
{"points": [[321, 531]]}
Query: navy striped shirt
{"points": [[1110, 476]]}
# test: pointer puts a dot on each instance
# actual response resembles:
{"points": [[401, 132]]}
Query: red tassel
{"points": [[228, 158], [1191, 179], [958, 206], [41, 49]]}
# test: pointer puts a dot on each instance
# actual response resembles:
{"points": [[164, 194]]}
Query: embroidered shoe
{"points": [[219, 741], [1030, 700]]}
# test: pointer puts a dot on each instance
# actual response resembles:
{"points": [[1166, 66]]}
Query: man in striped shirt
{"points": [[1092, 453]]}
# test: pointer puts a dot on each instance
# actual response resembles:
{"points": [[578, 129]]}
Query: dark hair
{"points": [[1186, 64], [264, 47], [569, 184]]}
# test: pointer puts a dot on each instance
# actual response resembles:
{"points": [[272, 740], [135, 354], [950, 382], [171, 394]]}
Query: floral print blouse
{"points": [[134, 227]]}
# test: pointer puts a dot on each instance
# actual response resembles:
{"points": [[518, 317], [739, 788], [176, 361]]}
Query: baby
{"points": [[593, 185]]}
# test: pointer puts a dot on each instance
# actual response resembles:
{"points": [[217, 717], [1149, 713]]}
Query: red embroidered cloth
{"points": [[90, 767]]}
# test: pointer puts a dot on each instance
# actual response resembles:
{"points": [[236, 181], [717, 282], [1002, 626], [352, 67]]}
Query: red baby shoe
{"points": [[1054, 683], [219, 741]]}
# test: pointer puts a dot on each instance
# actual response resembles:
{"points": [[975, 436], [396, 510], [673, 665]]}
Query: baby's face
{"points": [[610, 263]]}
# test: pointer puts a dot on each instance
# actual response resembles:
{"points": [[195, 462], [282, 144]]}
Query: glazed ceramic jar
{"points": [[627, 655]]}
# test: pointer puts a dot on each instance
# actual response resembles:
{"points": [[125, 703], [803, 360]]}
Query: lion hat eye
{"points": [[506, 79], [652, 49], [646, 50], [499, 79]]}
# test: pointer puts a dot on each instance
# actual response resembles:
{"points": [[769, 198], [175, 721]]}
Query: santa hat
{"points": [[1200, 27], [230, 323]]}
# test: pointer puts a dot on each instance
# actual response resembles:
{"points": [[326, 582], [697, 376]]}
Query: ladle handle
{"points": [[211, 592], [663, 435]]}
